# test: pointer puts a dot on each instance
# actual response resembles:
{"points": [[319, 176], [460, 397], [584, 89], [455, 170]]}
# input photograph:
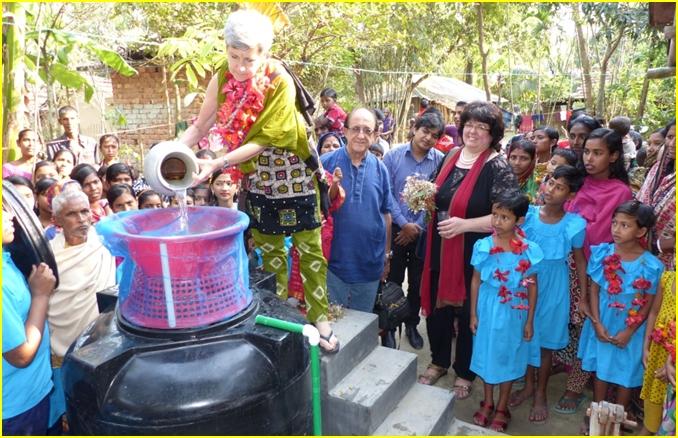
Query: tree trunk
{"points": [[51, 110], [468, 71], [643, 93], [600, 107], [14, 76], [583, 57], [168, 102], [407, 100], [483, 53], [359, 86]]}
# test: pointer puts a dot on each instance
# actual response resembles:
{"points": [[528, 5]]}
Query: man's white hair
{"points": [[63, 198], [247, 29]]}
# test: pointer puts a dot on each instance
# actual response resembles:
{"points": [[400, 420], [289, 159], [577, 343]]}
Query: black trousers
{"points": [[440, 331], [404, 259]]}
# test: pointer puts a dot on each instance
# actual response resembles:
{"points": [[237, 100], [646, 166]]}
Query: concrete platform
{"points": [[424, 410], [361, 401], [357, 332]]}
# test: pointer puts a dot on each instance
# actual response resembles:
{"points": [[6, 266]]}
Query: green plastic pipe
{"points": [[313, 339]]}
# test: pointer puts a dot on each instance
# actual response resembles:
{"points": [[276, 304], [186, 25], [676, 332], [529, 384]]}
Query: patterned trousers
{"points": [[577, 378], [313, 267]]}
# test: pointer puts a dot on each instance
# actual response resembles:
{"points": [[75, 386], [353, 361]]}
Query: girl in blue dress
{"points": [[502, 304], [558, 233], [624, 279]]}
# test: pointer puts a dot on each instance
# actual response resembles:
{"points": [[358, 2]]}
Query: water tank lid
{"points": [[30, 246]]}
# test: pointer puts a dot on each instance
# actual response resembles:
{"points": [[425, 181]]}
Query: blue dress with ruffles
{"points": [[500, 353], [552, 314], [621, 366]]}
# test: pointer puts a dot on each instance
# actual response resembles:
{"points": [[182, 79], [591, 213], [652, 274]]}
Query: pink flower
{"points": [[525, 282], [501, 276], [496, 250], [523, 266], [521, 307], [641, 284], [517, 246], [617, 305]]}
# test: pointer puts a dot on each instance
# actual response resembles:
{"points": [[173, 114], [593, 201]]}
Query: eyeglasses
{"points": [[477, 127], [358, 129]]}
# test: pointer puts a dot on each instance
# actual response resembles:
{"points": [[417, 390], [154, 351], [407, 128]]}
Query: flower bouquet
{"points": [[419, 195]]}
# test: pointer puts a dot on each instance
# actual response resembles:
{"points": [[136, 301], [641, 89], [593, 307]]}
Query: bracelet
{"points": [[225, 163], [659, 247]]}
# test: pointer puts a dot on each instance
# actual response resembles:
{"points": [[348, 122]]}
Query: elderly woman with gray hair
{"points": [[252, 101]]}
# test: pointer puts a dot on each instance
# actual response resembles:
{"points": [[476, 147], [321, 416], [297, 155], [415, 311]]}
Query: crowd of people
{"points": [[541, 254]]}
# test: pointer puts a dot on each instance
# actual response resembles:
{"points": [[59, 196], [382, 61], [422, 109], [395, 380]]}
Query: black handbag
{"points": [[391, 306]]}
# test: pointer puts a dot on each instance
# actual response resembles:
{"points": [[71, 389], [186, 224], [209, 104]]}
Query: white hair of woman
{"points": [[247, 29], [63, 198]]}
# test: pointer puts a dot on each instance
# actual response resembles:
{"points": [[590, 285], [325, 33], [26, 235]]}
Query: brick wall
{"points": [[141, 99]]}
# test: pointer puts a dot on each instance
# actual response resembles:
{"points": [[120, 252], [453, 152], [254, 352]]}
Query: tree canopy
{"points": [[531, 53]]}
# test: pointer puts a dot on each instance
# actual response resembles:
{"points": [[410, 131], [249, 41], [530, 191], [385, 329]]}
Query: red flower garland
{"points": [[639, 300], [665, 335], [242, 105], [517, 246], [505, 295], [501, 276], [612, 264]]}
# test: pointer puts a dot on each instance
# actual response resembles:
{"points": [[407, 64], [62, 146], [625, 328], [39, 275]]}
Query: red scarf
{"points": [[451, 283]]}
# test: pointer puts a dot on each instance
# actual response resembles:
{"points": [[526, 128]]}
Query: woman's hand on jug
{"points": [[207, 168]]}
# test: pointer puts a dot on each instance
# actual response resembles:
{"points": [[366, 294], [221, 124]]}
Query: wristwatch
{"points": [[389, 255]]}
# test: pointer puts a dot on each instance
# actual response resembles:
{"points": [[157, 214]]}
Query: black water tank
{"points": [[235, 378]]}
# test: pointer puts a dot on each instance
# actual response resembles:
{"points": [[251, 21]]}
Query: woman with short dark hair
{"points": [[469, 181]]}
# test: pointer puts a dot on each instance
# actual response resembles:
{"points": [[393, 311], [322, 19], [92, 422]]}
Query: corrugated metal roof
{"points": [[448, 91]]}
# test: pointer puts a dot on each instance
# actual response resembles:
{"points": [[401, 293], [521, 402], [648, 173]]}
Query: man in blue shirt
{"points": [[26, 371], [417, 158], [361, 244]]}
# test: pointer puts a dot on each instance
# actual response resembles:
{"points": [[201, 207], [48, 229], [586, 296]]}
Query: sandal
{"points": [[500, 425], [569, 405], [328, 340], [482, 415], [462, 391], [432, 374]]}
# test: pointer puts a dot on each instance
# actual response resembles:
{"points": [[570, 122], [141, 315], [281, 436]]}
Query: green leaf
{"points": [[189, 98], [71, 79], [113, 60], [198, 68], [62, 54], [190, 75], [89, 91], [43, 75]]}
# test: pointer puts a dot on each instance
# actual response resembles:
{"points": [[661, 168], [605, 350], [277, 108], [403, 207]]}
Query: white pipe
{"points": [[167, 285], [312, 334]]}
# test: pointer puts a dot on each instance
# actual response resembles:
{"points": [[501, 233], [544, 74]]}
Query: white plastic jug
{"points": [[169, 167]]}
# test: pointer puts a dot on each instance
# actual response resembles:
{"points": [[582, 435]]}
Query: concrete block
{"points": [[463, 428], [423, 411], [358, 333], [361, 401]]}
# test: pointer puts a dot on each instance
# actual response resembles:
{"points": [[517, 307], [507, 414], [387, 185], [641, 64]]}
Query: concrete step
{"points": [[423, 411], [360, 402], [462, 428], [358, 333]]}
